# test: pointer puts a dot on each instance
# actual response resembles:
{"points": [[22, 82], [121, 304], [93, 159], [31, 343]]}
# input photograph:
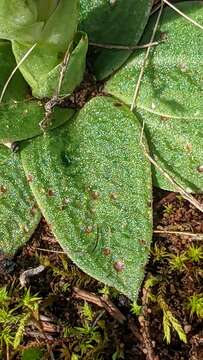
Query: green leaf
{"points": [[42, 68], [19, 115], [17, 88], [177, 146], [51, 23], [171, 86], [21, 120], [18, 20], [118, 22], [61, 25], [32, 353], [19, 214], [93, 185]]}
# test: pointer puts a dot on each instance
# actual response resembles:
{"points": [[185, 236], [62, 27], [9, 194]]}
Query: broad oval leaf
{"points": [[93, 185], [177, 146], [173, 76], [19, 213], [117, 22]]}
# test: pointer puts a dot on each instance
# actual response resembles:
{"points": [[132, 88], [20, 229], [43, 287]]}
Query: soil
{"points": [[137, 337]]}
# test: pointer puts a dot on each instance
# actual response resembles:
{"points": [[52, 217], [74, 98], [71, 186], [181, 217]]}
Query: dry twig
{"points": [[196, 236], [183, 15], [24, 277], [101, 302], [124, 47]]}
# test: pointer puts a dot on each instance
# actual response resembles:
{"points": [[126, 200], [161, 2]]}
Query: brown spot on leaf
{"points": [[88, 229], [164, 118], [106, 251], [117, 104], [3, 189], [29, 178], [200, 168], [119, 266], [188, 147], [50, 192], [113, 196], [33, 210], [95, 195], [163, 36]]}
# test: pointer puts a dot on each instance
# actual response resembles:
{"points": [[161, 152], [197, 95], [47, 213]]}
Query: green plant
{"points": [[159, 253], [168, 209], [87, 312], [195, 305], [195, 253], [177, 262], [89, 337], [136, 309], [170, 322], [88, 172], [14, 316], [32, 353]]}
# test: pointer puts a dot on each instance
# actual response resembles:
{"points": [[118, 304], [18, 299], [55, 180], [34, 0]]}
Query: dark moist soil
{"points": [[138, 337]]}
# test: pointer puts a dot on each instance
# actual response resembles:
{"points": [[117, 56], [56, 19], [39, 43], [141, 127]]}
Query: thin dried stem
{"points": [[183, 15], [15, 69], [136, 93], [56, 98], [63, 69], [124, 47], [168, 116], [197, 236], [155, 9], [51, 251]]}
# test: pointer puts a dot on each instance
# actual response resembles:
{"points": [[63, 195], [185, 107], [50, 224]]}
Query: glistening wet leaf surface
{"points": [[93, 184]]}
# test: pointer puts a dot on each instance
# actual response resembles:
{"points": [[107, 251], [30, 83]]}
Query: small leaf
{"points": [[171, 86], [43, 67], [166, 328], [20, 330], [93, 185], [117, 22], [32, 353], [19, 213]]}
